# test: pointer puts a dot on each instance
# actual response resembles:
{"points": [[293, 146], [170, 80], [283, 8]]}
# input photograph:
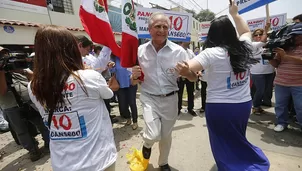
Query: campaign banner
{"points": [[205, 26], [36, 6], [180, 29], [248, 5], [277, 21]]}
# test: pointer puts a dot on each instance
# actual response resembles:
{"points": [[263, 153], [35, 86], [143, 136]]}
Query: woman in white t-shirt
{"points": [[70, 100], [262, 73], [227, 60]]}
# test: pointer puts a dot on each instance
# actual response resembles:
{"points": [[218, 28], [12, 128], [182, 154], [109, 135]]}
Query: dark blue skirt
{"points": [[227, 124]]}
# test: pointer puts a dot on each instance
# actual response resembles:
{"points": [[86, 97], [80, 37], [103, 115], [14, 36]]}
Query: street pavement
{"points": [[190, 147]]}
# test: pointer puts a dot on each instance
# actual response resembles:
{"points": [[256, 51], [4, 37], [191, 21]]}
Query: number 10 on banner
{"points": [[176, 22]]}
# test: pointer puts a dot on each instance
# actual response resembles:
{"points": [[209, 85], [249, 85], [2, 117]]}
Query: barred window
{"points": [[63, 6]]}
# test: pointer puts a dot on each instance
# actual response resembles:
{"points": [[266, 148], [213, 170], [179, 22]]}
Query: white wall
{"points": [[195, 31], [57, 18], [24, 35]]}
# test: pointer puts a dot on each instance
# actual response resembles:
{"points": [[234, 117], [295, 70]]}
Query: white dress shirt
{"points": [[160, 75], [98, 63], [190, 53]]}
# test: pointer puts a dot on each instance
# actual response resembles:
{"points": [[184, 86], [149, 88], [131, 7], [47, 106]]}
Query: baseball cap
{"points": [[31, 55], [295, 29], [2, 48]]}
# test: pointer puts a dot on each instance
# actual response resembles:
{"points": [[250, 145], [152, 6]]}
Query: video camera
{"points": [[282, 38], [13, 61]]}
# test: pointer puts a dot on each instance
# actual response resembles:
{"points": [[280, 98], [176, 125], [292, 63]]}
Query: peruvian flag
{"points": [[129, 34], [94, 18]]}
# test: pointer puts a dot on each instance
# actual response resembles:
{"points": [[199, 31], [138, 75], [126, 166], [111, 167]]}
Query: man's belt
{"points": [[166, 95]]}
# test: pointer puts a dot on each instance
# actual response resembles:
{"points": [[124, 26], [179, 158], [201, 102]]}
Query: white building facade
{"points": [[19, 21]]}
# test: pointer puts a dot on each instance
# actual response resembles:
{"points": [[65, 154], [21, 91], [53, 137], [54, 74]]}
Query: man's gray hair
{"points": [[155, 15]]}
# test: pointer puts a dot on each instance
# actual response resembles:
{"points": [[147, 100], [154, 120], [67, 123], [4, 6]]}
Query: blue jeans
{"points": [[283, 95], [126, 99], [264, 88]]}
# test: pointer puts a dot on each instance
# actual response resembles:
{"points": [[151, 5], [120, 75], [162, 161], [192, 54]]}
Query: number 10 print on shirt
{"points": [[237, 80], [67, 126]]}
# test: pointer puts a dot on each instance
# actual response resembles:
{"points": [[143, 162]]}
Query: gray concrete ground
{"points": [[190, 150]]}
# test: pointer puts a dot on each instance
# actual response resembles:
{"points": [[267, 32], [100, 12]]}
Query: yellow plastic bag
{"points": [[136, 160]]}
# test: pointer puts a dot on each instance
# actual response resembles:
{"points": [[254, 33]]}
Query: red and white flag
{"points": [[129, 35], [94, 18]]}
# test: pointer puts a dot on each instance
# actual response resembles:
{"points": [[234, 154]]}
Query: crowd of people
{"points": [[66, 91]]}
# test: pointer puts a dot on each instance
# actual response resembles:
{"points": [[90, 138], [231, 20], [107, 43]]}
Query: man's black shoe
{"points": [[35, 155], [114, 120], [165, 168], [192, 112], [146, 152], [112, 116]]}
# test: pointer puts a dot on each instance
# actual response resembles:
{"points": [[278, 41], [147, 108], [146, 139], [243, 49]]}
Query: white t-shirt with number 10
{"points": [[81, 136], [224, 86], [263, 67]]}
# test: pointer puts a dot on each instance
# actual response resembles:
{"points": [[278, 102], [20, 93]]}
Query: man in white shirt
{"points": [[189, 85], [157, 60], [96, 63]]}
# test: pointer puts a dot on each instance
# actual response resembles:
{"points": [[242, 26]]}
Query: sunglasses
{"points": [[256, 35]]}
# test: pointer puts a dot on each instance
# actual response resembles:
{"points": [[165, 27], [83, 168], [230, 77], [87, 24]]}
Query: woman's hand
{"points": [[136, 72], [111, 64], [233, 8], [280, 53], [183, 68], [267, 27]]}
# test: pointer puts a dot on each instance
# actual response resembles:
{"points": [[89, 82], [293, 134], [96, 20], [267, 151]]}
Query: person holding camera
{"points": [[262, 73], [288, 81], [17, 107]]}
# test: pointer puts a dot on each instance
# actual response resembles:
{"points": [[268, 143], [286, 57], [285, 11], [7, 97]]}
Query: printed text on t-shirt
{"points": [[237, 80]]}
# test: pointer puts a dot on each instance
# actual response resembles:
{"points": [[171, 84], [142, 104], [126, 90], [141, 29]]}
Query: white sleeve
{"points": [[205, 58], [103, 89], [129, 69], [246, 38], [104, 58], [258, 44]]}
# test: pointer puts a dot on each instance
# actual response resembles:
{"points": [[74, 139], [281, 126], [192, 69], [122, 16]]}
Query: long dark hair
{"points": [[223, 34], [57, 56]]}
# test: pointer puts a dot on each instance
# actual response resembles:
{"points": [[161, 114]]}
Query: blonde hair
{"points": [[259, 29]]}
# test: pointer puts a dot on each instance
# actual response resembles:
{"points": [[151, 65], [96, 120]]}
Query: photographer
{"points": [[262, 73], [288, 81], [17, 107]]}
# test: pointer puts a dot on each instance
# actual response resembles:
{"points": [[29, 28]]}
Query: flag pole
{"points": [[48, 13], [267, 14]]}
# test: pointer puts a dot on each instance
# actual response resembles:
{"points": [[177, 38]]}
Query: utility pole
{"points": [[207, 4]]}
